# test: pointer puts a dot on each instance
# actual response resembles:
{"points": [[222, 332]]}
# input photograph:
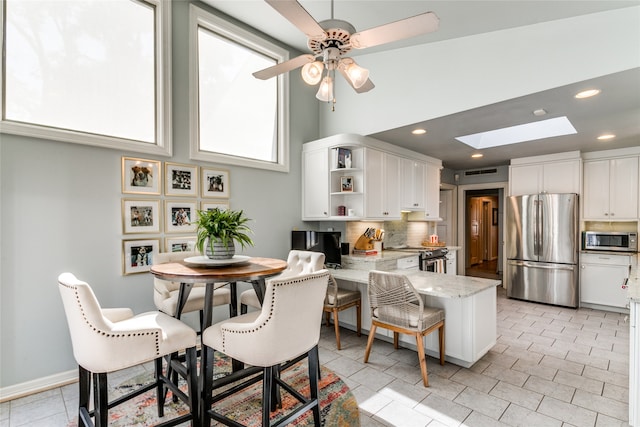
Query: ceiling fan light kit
{"points": [[330, 39]]}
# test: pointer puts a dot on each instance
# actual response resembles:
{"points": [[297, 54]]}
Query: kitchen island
{"points": [[469, 304]]}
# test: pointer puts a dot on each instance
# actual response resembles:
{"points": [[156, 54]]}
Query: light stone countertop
{"points": [[427, 283]]}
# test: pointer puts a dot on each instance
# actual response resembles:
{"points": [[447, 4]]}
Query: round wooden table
{"points": [[255, 270]]}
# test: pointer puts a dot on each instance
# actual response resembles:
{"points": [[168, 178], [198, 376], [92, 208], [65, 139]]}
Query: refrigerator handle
{"points": [[536, 227], [542, 266], [540, 225]]}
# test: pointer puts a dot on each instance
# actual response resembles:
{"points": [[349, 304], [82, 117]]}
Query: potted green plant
{"points": [[218, 230]]}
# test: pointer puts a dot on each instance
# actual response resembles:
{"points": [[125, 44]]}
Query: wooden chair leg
{"points": [[314, 369], [372, 333], [395, 340], [336, 324], [192, 385], [441, 343], [206, 370], [243, 309], [84, 384], [267, 385], [422, 358], [100, 400], [359, 318], [327, 318]]}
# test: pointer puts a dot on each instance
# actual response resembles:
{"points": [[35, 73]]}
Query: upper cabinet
{"points": [[558, 173], [611, 189], [412, 184], [380, 181]]}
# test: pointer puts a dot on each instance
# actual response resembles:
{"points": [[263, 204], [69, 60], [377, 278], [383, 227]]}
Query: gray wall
{"points": [[60, 210]]}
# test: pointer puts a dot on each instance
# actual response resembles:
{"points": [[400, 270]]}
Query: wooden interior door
{"points": [[474, 230]]}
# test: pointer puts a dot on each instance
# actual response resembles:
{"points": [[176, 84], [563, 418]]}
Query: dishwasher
{"points": [[603, 280]]}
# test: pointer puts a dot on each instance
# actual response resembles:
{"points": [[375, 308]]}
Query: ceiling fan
{"points": [[331, 39]]}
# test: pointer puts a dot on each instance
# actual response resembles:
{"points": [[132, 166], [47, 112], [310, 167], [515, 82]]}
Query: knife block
{"points": [[363, 243]]}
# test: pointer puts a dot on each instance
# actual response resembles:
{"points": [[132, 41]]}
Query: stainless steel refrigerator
{"points": [[542, 248]]}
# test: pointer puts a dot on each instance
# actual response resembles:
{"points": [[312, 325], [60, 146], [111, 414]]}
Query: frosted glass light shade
{"points": [[312, 72], [325, 92], [357, 74]]}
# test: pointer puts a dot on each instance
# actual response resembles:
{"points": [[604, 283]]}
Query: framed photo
{"points": [[140, 176], [215, 183], [137, 255], [178, 216], [180, 180], [208, 206], [346, 183], [140, 216], [180, 244]]}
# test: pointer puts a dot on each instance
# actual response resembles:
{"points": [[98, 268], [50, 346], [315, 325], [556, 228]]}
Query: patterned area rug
{"points": [[338, 407]]}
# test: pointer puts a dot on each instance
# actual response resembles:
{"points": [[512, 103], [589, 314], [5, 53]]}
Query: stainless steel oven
{"points": [[613, 241], [434, 260]]}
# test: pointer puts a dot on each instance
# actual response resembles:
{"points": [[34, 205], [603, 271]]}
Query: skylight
{"points": [[521, 133]]}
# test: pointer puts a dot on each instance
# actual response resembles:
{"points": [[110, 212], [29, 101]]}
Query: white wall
{"points": [[61, 211], [424, 82]]}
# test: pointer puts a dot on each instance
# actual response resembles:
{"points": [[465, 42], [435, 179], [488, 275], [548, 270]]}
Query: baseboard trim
{"points": [[38, 385]]}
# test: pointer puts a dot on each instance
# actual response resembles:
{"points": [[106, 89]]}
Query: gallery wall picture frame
{"points": [[180, 244], [180, 180], [220, 204], [180, 216], [215, 183], [346, 183], [141, 176], [141, 216], [137, 255]]}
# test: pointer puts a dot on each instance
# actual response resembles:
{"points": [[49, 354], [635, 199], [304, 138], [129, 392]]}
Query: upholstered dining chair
{"points": [[298, 262], [338, 299], [108, 340], [165, 293], [286, 327], [397, 306]]}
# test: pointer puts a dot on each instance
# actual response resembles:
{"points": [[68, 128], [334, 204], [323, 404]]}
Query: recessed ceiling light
{"points": [[606, 136], [587, 93], [477, 155], [520, 133], [539, 112], [419, 131]]}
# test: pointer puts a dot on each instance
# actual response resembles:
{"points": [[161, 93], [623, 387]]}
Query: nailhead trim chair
{"points": [[165, 293], [298, 262], [397, 306], [338, 299], [286, 327], [107, 340]]}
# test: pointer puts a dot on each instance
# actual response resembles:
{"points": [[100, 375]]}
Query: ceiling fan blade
{"points": [[283, 67], [366, 87], [298, 16], [394, 31]]}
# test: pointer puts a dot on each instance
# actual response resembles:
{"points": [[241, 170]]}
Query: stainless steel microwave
{"points": [[617, 241]]}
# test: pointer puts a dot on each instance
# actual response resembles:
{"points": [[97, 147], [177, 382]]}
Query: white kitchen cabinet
{"points": [[545, 177], [432, 192], [603, 281], [412, 184], [611, 189], [382, 185], [315, 184], [452, 262]]}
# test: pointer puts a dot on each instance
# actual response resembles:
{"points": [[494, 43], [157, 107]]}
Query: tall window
{"points": [[236, 118], [88, 71]]}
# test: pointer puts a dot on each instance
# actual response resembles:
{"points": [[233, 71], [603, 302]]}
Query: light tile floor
{"points": [[551, 366]]}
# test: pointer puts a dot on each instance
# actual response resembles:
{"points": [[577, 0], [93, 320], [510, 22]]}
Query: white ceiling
{"points": [[616, 110]]}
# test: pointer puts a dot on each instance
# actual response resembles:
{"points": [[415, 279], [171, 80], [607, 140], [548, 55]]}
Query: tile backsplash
{"points": [[396, 233]]}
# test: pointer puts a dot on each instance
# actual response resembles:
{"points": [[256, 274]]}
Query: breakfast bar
{"points": [[469, 304]]}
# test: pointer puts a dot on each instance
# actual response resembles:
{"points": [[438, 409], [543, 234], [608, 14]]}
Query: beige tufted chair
{"points": [[165, 293], [107, 340], [397, 306], [287, 326], [298, 262]]}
